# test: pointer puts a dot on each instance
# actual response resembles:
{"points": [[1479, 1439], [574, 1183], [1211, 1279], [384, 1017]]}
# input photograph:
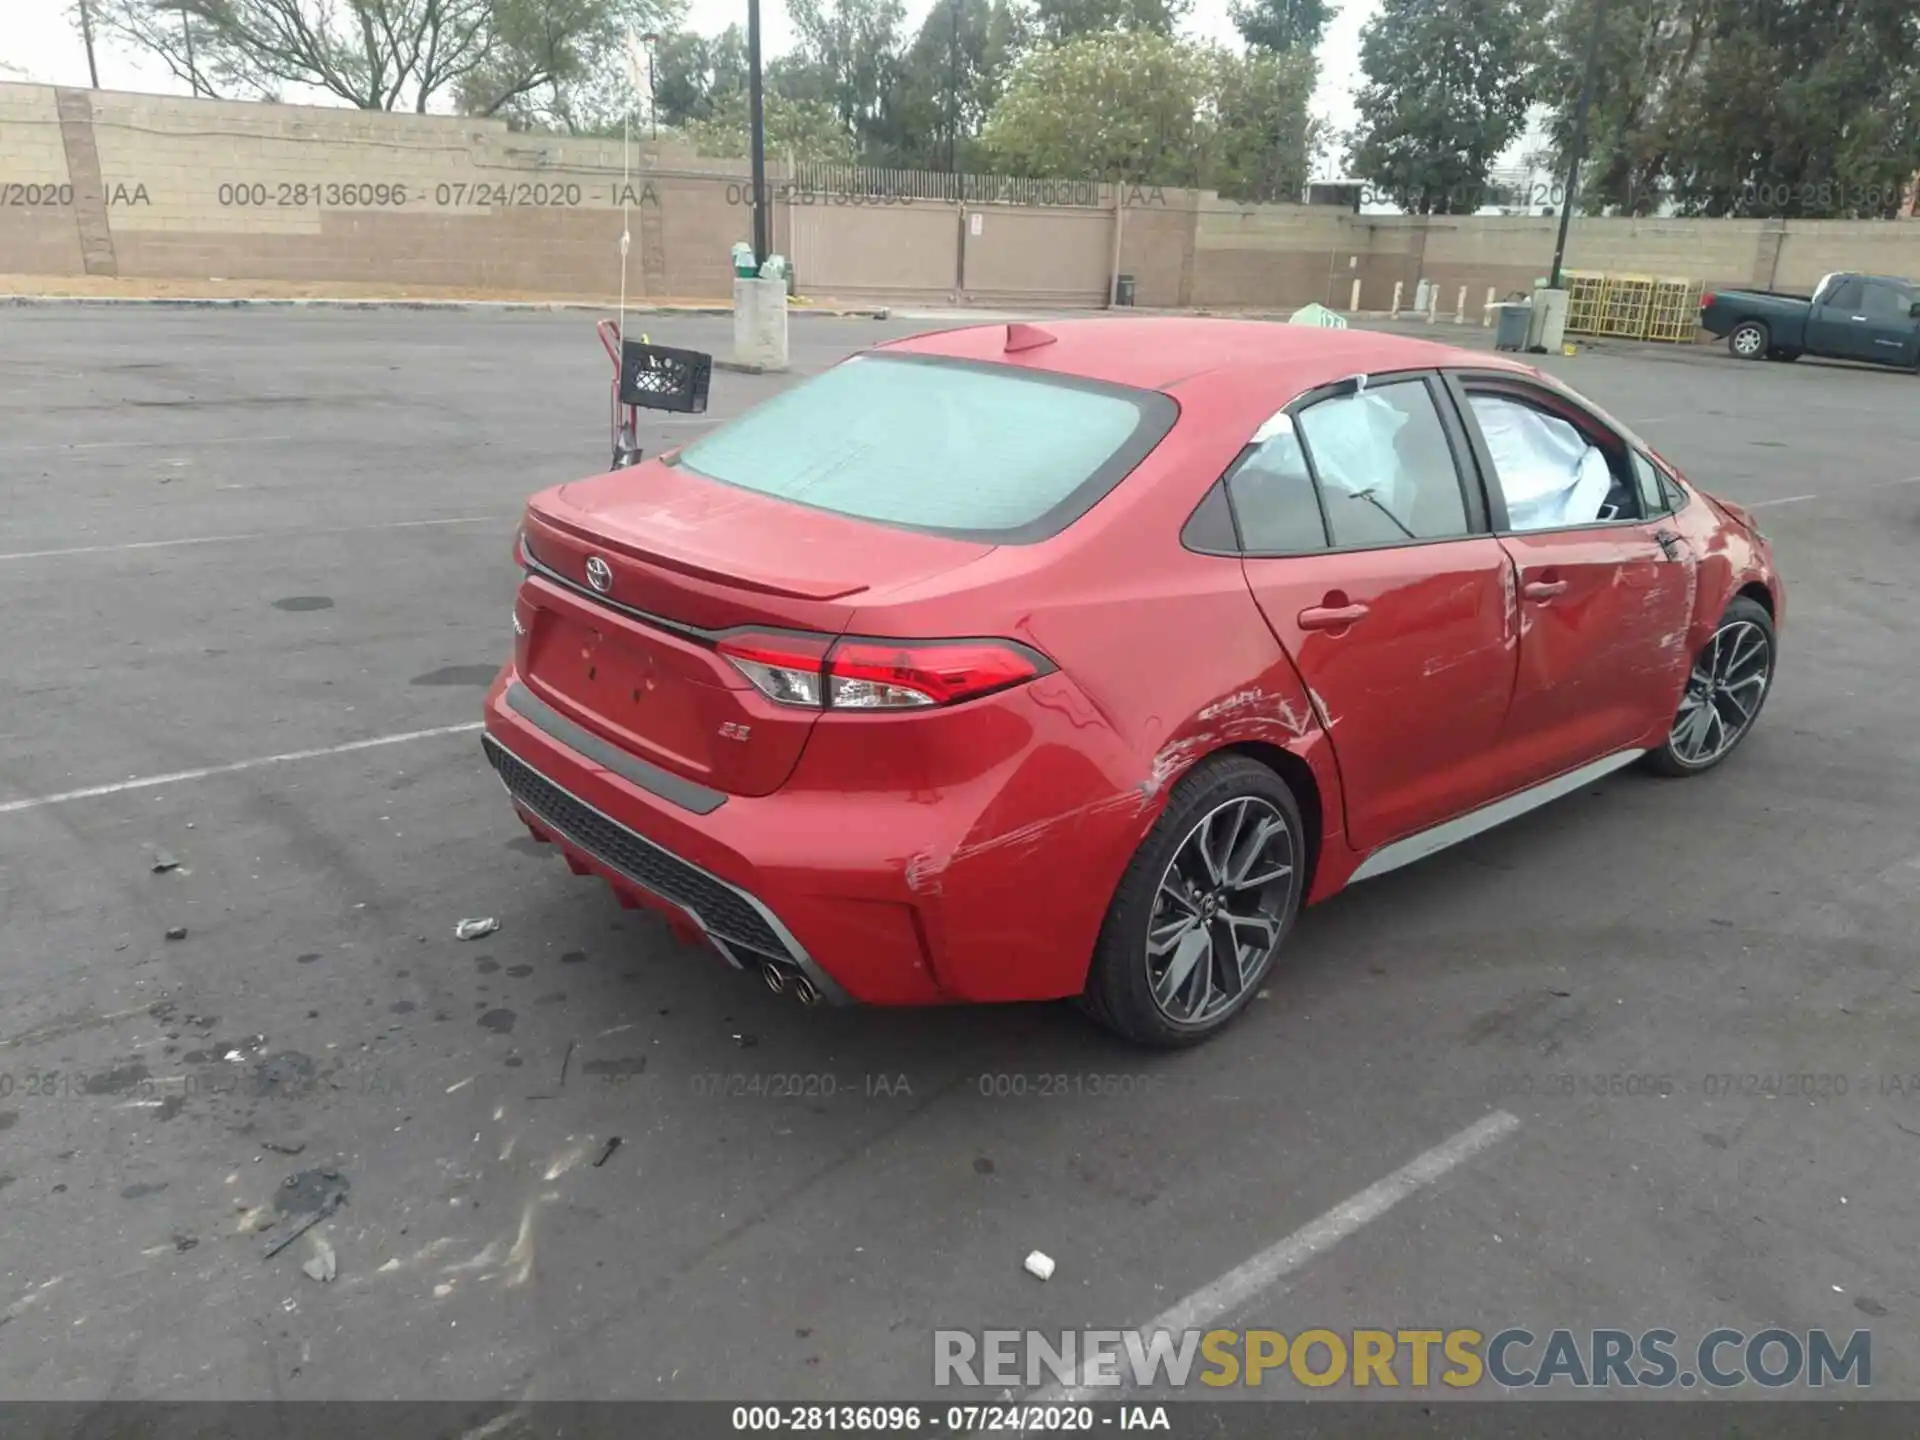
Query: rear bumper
{"points": [[988, 890], [737, 923]]}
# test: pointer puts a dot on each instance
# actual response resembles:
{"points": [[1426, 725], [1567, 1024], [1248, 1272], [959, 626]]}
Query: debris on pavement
{"points": [[613, 1144], [476, 928], [746, 1042], [565, 1061], [163, 861], [311, 1194], [177, 932], [279, 1149], [1040, 1266], [323, 1266]]}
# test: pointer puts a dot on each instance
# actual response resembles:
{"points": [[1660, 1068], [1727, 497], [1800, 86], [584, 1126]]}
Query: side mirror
{"points": [[1913, 310]]}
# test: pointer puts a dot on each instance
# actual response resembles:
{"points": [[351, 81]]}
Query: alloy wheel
{"points": [[1747, 341], [1220, 908], [1723, 694]]}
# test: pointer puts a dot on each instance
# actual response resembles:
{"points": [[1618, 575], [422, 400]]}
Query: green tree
{"points": [[846, 57], [695, 73], [1263, 136], [1061, 20], [804, 129], [1448, 84], [494, 57], [1745, 107], [1281, 25], [948, 80], [1117, 107]]}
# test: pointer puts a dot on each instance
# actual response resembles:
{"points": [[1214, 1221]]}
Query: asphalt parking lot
{"points": [[282, 537]]}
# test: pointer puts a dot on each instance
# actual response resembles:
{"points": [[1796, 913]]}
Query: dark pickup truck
{"points": [[1873, 318]]}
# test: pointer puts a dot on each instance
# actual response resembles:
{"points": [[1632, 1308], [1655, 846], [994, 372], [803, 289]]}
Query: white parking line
{"points": [[146, 444], [1240, 1284], [255, 535], [9, 807]]}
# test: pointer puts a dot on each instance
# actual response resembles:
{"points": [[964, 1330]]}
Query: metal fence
{"points": [[871, 182]]}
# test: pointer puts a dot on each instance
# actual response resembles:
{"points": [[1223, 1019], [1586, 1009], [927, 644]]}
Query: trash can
{"points": [[1123, 290], [1510, 324], [744, 266]]}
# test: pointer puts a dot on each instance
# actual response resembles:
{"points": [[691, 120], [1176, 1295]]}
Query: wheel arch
{"points": [[1305, 786], [1758, 592]]}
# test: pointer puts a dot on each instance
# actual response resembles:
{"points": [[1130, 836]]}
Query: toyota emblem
{"points": [[599, 574]]}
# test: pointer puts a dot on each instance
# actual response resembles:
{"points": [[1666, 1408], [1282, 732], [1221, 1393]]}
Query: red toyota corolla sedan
{"points": [[1019, 663]]}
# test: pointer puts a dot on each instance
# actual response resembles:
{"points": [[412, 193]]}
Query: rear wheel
{"points": [[1750, 340], [1730, 681], [1202, 910]]}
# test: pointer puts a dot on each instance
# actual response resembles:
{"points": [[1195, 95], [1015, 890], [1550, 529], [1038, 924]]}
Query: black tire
{"points": [[1749, 340], [1670, 758], [1119, 993]]}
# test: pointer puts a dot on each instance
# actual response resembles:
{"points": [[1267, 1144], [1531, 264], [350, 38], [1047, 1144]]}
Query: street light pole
{"points": [[1577, 150], [756, 122]]}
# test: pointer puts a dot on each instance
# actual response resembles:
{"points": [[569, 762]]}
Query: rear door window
{"points": [[980, 451], [1385, 466], [1273, 498]]}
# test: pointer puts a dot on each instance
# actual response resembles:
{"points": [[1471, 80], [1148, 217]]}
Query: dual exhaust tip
{"points": [[781, 979]]}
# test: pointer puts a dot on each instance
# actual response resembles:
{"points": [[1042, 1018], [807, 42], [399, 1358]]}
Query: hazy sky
{"points": [[35, 38]]}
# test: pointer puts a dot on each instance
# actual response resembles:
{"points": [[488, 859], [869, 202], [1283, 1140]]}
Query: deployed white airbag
{"points": [[1548, 472], [1353, 446]]}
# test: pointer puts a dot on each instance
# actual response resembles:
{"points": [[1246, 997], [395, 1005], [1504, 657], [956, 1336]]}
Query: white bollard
{"points": [[1398, 286], [1460, 308], [1354, 304], [1486, 315], [1433, 304]]}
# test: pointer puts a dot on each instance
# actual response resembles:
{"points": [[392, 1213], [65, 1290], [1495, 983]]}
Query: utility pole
{"points": [[1577, 150], [756, 122], [86, 36]]}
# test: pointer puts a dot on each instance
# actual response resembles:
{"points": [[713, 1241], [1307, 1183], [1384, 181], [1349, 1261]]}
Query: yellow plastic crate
{"points": [[1586, 299], [1632, 307], [1675, 314]]}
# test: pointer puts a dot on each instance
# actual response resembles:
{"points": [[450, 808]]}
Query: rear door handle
{"points": [[1331, 617], [1543, 589]]}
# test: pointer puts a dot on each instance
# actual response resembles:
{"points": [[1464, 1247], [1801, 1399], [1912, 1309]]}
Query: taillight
{"points": [[787, 669], [869, 674], [1707, 298]]}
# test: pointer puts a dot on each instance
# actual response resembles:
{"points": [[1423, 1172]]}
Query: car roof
{"points": [[1170, 353]]}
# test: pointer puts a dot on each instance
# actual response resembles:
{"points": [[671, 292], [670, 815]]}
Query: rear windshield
{"points": [[959, 448]]}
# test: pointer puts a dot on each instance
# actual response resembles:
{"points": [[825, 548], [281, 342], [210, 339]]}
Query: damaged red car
{"points": [[1032, 662]]}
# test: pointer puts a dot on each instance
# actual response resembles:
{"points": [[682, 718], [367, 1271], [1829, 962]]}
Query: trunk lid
{"points": [[627, 648]]}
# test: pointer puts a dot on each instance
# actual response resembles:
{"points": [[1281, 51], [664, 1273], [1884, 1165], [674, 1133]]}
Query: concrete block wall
{"points": [[38, 233], [108, 183]]}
